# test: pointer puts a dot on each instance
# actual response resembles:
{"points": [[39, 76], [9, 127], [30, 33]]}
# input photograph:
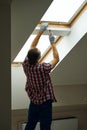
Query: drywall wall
{"points": [[65, 94], [18, 81]]}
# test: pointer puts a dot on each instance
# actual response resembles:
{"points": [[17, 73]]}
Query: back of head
{"points": [[33, 56]]}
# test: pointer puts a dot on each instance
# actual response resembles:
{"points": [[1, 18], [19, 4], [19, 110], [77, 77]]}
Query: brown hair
{"points": [[33, 55]]}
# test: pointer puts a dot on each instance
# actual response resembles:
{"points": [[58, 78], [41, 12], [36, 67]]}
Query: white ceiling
{"points": [[73, 68]]}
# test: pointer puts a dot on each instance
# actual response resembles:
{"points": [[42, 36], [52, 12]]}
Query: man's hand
{"points": [[51, 37], [43, 27]]}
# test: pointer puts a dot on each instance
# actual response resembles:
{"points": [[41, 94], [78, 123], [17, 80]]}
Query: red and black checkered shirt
{"points": [[38, 85]]}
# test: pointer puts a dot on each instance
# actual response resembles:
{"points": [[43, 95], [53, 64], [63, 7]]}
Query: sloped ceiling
{"points": [[24, 18], [73, 68]]}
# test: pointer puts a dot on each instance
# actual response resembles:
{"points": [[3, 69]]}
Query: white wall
{"points": [[70, 94], [19, 97], [66, 94]]}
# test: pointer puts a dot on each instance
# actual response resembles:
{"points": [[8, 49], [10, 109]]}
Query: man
{"points": [[38, 85]]}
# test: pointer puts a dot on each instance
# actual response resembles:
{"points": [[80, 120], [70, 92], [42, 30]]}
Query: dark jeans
{"points": [[42, 113]]}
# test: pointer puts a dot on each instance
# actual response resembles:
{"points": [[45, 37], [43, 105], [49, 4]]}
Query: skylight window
{"points": [[63, 10], [42, 45]]}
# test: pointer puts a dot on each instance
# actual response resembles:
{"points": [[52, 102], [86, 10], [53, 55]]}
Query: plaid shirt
{"points": [[38, 85]]}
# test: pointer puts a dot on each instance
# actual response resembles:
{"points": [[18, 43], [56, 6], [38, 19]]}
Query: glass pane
{"points": [[43, 44], [62, 10]]}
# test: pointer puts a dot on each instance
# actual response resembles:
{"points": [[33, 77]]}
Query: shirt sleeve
{"points": [[47, 67]]}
